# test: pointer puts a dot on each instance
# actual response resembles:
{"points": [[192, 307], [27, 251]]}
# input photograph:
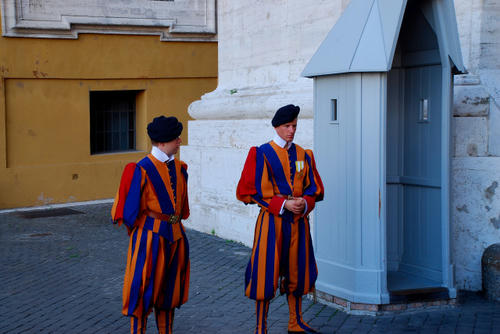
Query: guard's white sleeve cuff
{"points": [[282, 207]]}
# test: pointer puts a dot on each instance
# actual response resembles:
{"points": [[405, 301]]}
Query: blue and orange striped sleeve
{"points": [[127, 202], [314, 190]]}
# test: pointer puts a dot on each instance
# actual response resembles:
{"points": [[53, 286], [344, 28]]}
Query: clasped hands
{"points": [[296, 205]]}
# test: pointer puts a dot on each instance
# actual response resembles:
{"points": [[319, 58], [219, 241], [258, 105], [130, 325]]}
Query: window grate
{"points": [[112, 121]]}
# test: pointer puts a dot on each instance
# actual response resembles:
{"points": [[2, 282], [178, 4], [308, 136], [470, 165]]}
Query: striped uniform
{"points": [[157, 272], [282, 242]]}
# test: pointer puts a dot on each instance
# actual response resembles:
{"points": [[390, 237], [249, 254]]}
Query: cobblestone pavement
{"points": [[64, 275]]}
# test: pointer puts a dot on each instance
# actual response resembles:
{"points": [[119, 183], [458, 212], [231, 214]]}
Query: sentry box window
{"points": [[424, 111], [334, 115]]}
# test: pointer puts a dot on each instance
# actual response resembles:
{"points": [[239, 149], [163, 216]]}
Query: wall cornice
{"points": [[180, 20], [253, 102]]}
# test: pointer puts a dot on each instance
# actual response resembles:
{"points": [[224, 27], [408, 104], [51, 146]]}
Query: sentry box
{"points": [[383, 87]]}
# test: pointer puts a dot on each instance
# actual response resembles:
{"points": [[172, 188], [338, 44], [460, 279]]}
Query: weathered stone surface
{"points": [[229, 133], [469, 14], [475, 204], [478, 27], [469, 136], [253, 103], [490, 264], [494, 127], [471, 101], [490, 28], [466, 80]]}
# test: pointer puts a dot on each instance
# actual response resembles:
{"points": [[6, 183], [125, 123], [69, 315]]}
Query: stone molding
{"points": [[252, 103], [179, 20], [471, 99]]}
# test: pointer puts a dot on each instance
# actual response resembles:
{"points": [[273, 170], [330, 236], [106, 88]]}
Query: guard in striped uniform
{"points": [[151, 201], [281, 177]]}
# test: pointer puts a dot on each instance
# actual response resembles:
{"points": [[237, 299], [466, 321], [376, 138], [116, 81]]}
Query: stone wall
{"points": [[475, 200]]}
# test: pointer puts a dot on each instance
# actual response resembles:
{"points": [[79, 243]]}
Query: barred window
{"points": [[112, 121]]}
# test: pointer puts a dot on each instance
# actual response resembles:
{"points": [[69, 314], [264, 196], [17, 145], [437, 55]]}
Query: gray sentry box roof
{"points": [[382, 109], [365, 36]]}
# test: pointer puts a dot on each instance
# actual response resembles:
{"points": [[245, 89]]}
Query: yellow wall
{"points": [[44, 108]]}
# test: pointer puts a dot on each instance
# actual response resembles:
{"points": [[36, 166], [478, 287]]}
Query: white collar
{"points": [[281, 142], [160, 155]]}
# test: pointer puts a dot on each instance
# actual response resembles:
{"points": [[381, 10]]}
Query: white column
{"points": [[263, 48]]}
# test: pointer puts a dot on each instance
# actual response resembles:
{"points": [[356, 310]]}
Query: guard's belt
{"points": [[171, 219]]}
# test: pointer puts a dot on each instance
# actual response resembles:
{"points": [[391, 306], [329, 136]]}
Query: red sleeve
{"points": [[275, 205], [246, 185], [311, 203]]}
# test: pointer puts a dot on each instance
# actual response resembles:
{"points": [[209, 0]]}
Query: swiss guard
{"points": [[151, 202], [281, 178]]}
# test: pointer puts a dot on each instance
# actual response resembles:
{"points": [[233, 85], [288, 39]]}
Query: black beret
{"points": [[285, 114], [164, 129]]}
